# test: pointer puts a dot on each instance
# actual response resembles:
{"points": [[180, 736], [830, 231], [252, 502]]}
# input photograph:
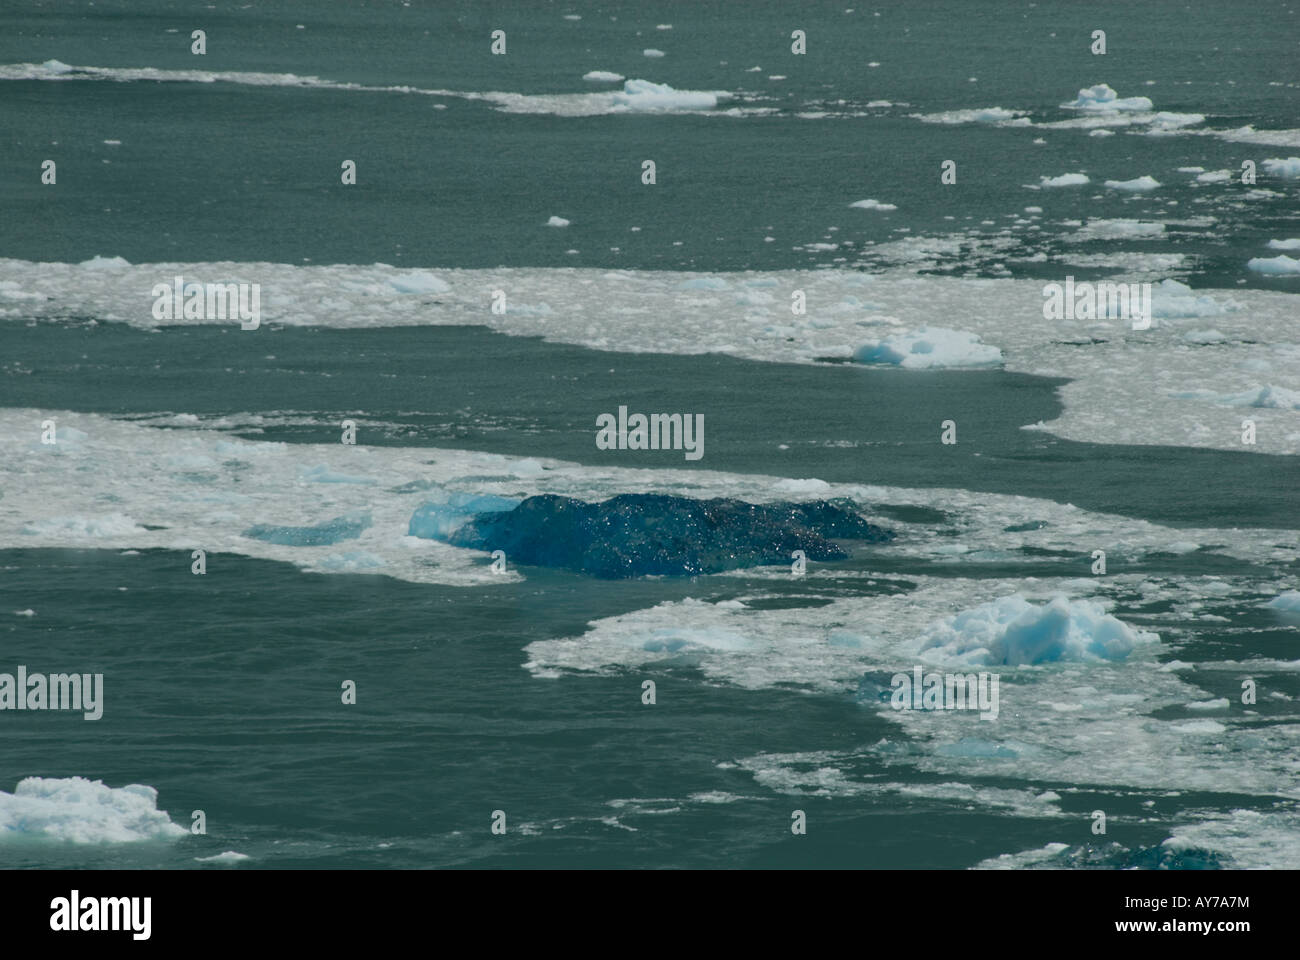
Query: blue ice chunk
{"points": [[633, 535]]}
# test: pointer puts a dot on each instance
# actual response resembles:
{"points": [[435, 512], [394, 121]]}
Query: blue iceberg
{"points": [[633, 535]]}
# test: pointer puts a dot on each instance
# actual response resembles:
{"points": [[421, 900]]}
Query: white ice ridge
{"points": [[173, 482], [1099, 110], [1150, 375], [637, 96], [77, 810]]}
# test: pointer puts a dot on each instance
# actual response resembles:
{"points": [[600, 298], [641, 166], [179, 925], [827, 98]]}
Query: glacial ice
{"points": [[633, 535], [642, 95], [77, 810], [1102, 99], [1279, 266], [1143, 184], [871, 204], [1065, 180], [1282, 167], [1011, 631], [1174, 300], [1286, 605]]}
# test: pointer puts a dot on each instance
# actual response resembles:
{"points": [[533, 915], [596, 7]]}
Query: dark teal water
{"points": [[213, 171]]}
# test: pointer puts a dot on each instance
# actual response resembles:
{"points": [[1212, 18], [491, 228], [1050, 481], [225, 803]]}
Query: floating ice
{"points": [[323, 534], [704, 283], [354, 561], [1264, 398], [1101, 98], [1284, 244], [107, 526], [1279, 266], [230, 856], [633, 535], [416, 281], [1288, 167], [77, 810], [323, 474], [602, 76], [996, 115], [929, 348], [1171, 299], [1011, 631], [1142, 184], [1200, 726], [642, 311], [557, 222], [1101, 229], [105, 263], [1065, 180], [438, 521], [1287, 601], [646, 96], [870, 204]]}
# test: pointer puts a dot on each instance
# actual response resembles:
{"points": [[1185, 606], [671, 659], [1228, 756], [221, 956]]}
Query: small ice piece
{"points": [[1142, 184], [870, 204], [1065, 180], [651, 52], [557, 222]]}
